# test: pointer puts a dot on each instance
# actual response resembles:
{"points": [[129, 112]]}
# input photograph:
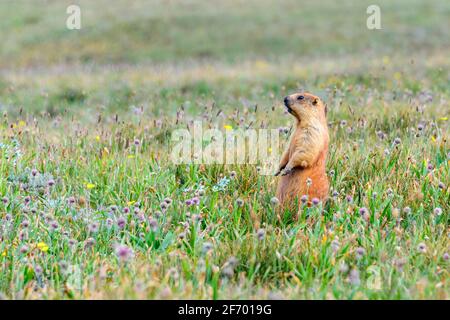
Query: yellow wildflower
{"points": [[42, 246], [228, 127], [90, 186]]}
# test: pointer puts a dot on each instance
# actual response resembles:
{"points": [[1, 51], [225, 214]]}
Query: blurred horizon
{"points": [[34, 34]]}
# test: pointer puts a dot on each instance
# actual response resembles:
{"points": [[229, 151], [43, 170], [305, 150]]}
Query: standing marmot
{"points": [[306, 155]]}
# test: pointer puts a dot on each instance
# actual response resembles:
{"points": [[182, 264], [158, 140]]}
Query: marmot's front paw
{"points": [[286, 171]]}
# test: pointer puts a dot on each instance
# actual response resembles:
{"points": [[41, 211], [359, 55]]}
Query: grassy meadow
{"points": [[92, 207]]}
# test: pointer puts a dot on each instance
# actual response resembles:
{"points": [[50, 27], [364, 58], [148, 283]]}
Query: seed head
{"points": [[422, 248], [153, 224], [274, 201], [354, 277], [93, 227], [343, 267], [335, 245], [207, 246], [260, 234], [89, 243], [360, 252], [437, 211]]}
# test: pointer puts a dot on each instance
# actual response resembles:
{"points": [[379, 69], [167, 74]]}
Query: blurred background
{"points": [[154, 55]]}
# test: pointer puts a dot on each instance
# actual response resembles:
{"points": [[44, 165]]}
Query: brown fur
{"points": [[306, 154]]}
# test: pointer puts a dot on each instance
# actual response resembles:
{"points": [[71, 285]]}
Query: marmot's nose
{"points": [[286, 101]]}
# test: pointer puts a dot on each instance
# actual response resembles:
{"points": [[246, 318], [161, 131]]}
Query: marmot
{"points": [[302, 165]]}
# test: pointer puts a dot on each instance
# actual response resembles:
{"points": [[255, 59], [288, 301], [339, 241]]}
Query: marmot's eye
{"points": [[300, 98]]}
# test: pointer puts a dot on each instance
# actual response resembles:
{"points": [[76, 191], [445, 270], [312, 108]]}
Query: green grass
{"points": [[72, 104]]}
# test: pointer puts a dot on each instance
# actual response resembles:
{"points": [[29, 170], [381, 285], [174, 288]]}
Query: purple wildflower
{"points": [[124, 253], [304, 198], [121, 222], [195, 200]]}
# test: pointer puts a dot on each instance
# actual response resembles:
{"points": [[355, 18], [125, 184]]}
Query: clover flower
{"points": [[124, 253], [304, 198], [422, 248]]}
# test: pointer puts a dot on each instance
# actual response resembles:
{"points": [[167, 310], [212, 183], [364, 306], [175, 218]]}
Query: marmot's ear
{"points": [[315, 101]]}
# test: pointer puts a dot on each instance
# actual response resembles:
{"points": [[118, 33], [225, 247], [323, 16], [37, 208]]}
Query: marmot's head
{"points": [[304, 106]]}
